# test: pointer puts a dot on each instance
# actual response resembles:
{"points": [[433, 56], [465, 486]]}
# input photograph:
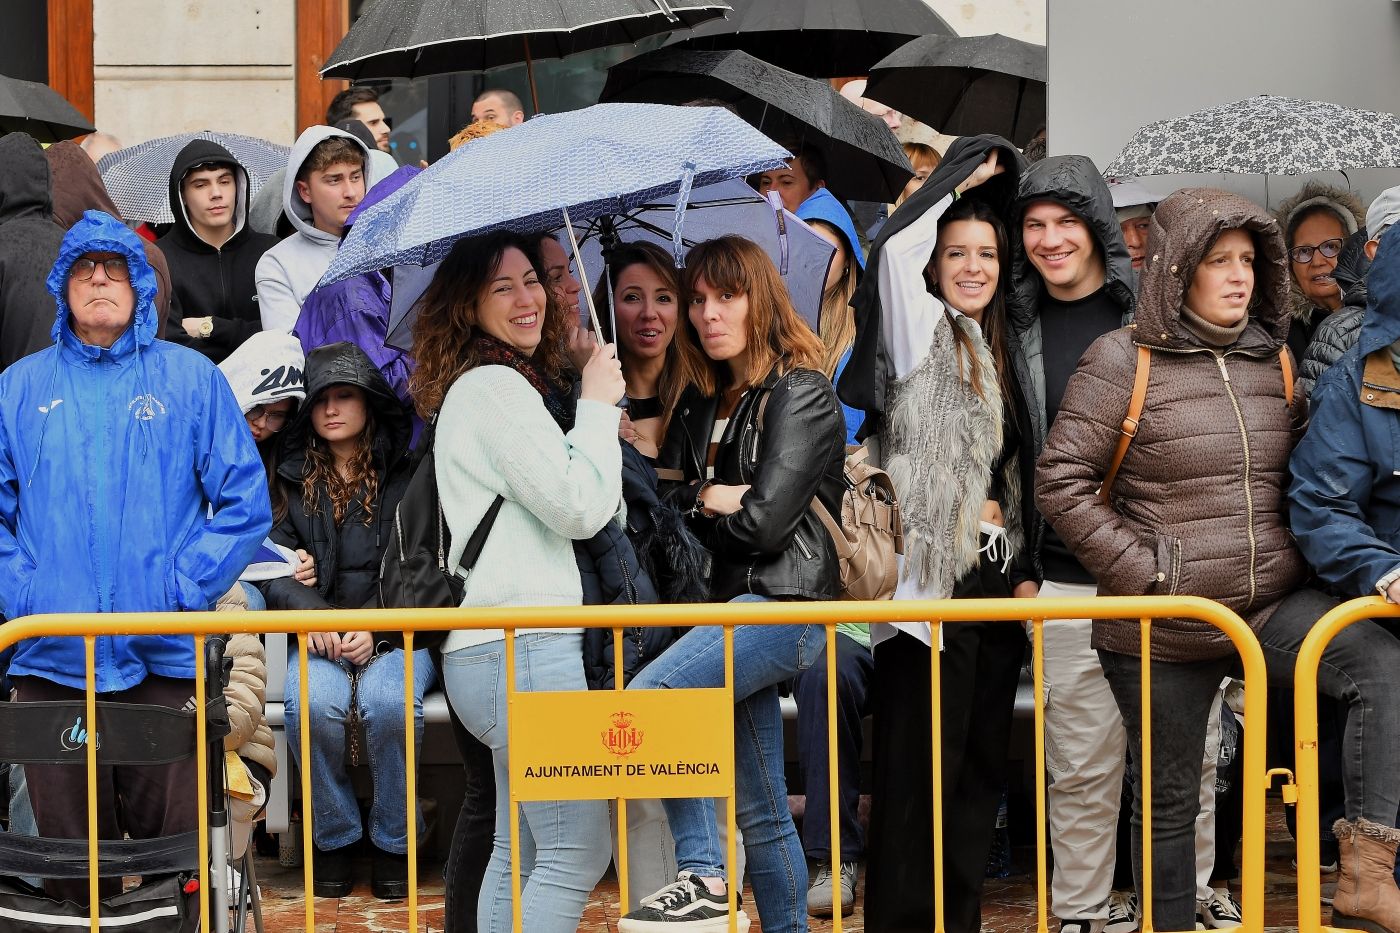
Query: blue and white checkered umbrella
{"points": [[138, 177], [602, 160]]}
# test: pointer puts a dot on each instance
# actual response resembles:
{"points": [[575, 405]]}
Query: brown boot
{"points": [[1367, 898]]}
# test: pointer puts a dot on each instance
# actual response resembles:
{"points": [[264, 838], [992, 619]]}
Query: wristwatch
{"points": [[206, 327]]}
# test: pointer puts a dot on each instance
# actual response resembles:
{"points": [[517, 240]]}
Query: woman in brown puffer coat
{"points": [[1198, 508]]}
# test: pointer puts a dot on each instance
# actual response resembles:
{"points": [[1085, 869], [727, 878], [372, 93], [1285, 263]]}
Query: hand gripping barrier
{"points": [[1305, 738], [827, 614]]}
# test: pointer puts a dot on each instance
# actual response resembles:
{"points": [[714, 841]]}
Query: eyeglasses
{"points": [[115, 268], [1328, 248], [272, 420]]}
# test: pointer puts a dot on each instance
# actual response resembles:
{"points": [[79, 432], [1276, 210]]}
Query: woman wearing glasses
{"points": [[1315, 223]]}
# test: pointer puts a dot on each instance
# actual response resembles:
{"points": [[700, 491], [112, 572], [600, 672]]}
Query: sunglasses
{"points": [[115, 268], [1329, 249]]}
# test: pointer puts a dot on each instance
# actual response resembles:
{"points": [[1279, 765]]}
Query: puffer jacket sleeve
{"points": [[1330, 495], [246, 691], [1078, 452], [235, 484], [1337, 333], [288, 592], [801, 423]]}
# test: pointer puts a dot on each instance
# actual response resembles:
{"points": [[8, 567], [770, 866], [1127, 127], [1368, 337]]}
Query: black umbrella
{"points": [[817, 38], [966, 85], [39, 110], [864, 160], [412, 38]]}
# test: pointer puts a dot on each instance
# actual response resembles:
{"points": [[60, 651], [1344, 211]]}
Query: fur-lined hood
{"points": [[1349, 210]]}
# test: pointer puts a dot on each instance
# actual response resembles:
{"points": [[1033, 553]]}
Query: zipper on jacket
{"points": [[1248, 491], [628, 587], [802, 546]]}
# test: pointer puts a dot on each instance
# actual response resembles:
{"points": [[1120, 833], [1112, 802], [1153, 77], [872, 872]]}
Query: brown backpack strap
{"points": [[1130, 423], [1286, 361]]}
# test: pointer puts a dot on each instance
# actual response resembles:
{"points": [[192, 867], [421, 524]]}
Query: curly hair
{"points": [[443, 335], [359, 478], [777, 334]]}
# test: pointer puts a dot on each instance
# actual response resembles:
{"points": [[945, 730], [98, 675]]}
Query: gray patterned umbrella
{"points": [[138, 177], [1263, 135], [409, 38], [604, 159]]}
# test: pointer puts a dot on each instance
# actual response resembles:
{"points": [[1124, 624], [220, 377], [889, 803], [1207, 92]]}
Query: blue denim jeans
{"points": [[764, 656], [256, 601], [565, 845], [379, 697]]}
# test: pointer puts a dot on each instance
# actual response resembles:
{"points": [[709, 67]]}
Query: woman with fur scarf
{"points": [[952, 439]]}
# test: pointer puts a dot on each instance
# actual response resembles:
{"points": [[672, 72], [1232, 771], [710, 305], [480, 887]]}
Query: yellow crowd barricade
{"points": [[1305, 748], [567, 740]]}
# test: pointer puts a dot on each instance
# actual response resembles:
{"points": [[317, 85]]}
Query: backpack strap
{"points": [[1286, 361], [1130, 423]]}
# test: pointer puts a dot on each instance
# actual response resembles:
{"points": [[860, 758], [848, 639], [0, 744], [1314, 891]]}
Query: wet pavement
{"points": [[1009, 905]]}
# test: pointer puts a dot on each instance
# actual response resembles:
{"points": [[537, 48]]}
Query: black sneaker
{"points": [[331, 872], [685, 905]]}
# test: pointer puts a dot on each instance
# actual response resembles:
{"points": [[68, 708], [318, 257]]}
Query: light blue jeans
{"points": [[379, 697], [565, 845], [764, 657]]}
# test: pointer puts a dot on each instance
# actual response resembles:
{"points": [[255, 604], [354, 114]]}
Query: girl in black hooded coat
{"points": [[344, 469]]}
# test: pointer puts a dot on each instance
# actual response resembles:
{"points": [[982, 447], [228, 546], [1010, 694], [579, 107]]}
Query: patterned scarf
{"points": [[558, 400]]}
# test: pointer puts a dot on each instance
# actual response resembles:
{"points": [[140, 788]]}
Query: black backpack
{"points": [[414, 573]]}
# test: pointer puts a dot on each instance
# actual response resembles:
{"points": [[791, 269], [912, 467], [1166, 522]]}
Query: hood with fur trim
{"points": [[1343, 203]]}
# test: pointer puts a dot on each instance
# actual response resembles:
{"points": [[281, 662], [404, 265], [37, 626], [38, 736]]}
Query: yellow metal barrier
{"points": [[1305, 748], [826, 614]]}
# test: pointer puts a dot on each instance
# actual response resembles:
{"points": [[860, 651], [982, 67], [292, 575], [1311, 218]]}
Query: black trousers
{"points": [[980, 668], [472, 837]]}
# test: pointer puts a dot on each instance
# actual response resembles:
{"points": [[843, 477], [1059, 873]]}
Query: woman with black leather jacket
{"points": [[344, 469], [756, 435]]}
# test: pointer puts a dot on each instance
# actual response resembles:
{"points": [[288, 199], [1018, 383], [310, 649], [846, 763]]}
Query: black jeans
{"points": [[1182, 693], [474, 835], [1358, 669], [854, 668]]}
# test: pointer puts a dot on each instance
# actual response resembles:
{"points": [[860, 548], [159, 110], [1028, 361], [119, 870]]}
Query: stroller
{"points": [[167, 899]]}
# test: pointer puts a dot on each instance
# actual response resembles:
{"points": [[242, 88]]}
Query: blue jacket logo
{"points": [[145, 407]]}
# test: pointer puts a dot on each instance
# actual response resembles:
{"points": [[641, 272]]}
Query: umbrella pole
{"points": [[530, 73], [587, 293]]}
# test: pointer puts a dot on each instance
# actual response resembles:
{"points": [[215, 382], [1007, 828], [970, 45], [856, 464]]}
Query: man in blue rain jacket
{"points": [[128, 483]]}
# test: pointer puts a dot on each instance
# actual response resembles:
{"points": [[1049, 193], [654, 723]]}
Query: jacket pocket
{"points": [[1168, 579]]}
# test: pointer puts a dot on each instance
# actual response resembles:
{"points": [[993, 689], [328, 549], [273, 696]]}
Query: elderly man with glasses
{"points": [[128, 483]]}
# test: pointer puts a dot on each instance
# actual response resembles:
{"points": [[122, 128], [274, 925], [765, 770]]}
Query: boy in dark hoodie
{"points": [[1071, 283], [212, 250]]}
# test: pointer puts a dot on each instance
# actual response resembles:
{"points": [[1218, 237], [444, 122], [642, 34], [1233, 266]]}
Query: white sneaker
{"points": [[1122, 912], [1221, 911]]}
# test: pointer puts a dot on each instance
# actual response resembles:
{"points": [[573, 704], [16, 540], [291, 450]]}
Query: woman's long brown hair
{"points": [[994, 317], [359, 479], [669, 386], [838, 318], [443, 335], [777, 334]]}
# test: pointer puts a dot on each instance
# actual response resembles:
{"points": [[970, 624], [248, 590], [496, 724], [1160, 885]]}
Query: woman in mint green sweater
{"points": [[489, 342]]}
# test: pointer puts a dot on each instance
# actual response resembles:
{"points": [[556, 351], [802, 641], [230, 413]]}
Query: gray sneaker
{"points": [[819, 895]]}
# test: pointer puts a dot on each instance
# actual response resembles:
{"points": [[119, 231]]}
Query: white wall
{"points": [[1116, 66], [163, 67], [1019, 19]]}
